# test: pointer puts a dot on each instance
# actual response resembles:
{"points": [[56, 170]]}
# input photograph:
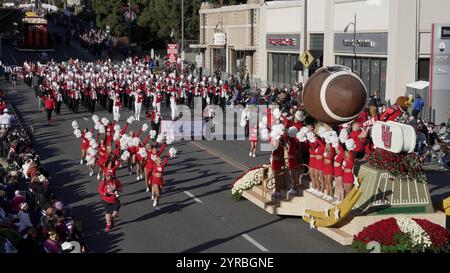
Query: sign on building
{"points": [[199, 60], [172, 52], [220, 39], [283, 42], [370, 43], [440, 73]]}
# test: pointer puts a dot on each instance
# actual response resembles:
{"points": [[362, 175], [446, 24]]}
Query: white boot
{"points": [[81, 162], [147, 190], [98, 176], [155, 203]]}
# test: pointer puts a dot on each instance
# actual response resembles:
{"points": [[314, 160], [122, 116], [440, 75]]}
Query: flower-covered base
{"points": [[403, 234], [248, 180]]}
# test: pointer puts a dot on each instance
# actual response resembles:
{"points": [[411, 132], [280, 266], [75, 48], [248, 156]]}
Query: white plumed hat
{"points": [[172, 152], [292, 131], [105, 121], [75, 125]]}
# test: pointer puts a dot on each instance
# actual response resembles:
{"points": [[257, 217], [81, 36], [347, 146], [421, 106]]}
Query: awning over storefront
{"points": [[216, 46], [420, 85], [198, 46], [245, 48]]}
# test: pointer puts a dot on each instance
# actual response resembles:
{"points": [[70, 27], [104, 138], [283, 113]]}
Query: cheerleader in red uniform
{"points": [[328, 156], [109, 132], [293, 146], [319, 167], [312, 140], [253, 136], [91, 165], [153, 153], [349, 162], [84, 144], [337, 170], [140, 159], [103, 152], [157, 179], [277, 160], [134, 141], [111, 167]]}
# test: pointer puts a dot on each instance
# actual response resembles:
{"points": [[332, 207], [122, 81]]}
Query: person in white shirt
{"points": [[24, 219], [8, 70], [6, 119], [138, 99], [173, 106]]}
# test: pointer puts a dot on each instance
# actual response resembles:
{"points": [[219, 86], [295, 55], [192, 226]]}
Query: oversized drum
{"points": [[334, 95]]}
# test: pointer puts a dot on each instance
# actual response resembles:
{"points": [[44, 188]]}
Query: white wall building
{"points": [[282, 38], [393, 45]]}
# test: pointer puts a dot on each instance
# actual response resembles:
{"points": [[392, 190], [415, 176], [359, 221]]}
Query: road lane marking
{"points": [[225, 158], [193, 197], [85, 118], [254, 242]]}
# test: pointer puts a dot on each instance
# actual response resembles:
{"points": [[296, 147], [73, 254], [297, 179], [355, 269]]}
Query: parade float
{"points": [[35, 32], [389, 184]]}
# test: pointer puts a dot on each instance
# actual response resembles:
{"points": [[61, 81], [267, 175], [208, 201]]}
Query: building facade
{"points": [[393, 45], [388, 43], [229, 38], [282, 36]]}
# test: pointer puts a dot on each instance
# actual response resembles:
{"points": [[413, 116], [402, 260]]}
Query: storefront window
{"points": [[424, 70], [316, 41], [219, 59], [375, 76], [371, 70], [383, 69], [365, 72], [281, 68], [240, 61]]}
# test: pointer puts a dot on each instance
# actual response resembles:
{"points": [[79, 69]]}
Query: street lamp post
{"points": [[305, 37], [129, 23], [182, 25], [355, 42]]}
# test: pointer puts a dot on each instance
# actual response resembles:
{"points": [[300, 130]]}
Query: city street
{"points": [[198, 213]]}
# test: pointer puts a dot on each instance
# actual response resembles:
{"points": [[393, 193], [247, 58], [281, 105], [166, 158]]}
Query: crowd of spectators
{"points": [[32, 219]]}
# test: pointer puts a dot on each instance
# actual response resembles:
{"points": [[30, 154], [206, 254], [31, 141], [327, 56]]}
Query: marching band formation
{"points": [[115, 85]]}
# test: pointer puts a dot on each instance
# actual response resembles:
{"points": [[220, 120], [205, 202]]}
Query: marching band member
{"points": [[59, 100], [138, 99], [117, 104], [173, 106]]}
